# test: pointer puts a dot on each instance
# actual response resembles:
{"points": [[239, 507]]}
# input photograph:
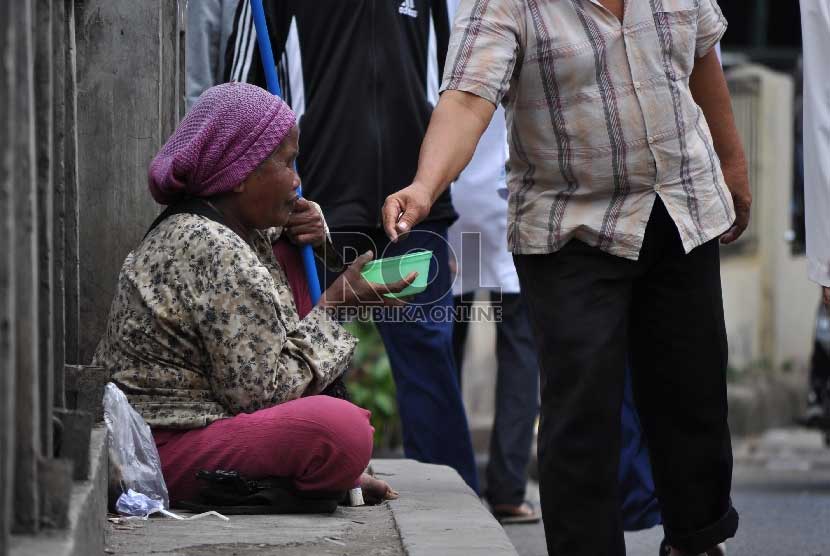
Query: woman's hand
{"points": [[305, 226], [350, 289]]}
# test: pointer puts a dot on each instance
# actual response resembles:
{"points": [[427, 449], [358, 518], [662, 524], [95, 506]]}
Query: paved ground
{"points": [[348, 532], [782, 491], [436, 515]]}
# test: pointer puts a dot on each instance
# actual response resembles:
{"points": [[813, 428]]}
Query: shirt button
{"points": [[657, 187], [650, 140], [637, 85]]}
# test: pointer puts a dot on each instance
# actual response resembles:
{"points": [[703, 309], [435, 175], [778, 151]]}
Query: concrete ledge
{"points": [[438, 513], [87, 513]]}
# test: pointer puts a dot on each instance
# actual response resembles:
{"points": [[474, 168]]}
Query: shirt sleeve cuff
{"points": [[708, 42], [477, 88]]}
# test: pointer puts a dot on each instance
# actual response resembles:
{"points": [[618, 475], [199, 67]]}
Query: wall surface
{"points": [[81, 114], [127, 107]]}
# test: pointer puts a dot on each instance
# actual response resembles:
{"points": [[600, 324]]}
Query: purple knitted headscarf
{"points": [[227, 133]]}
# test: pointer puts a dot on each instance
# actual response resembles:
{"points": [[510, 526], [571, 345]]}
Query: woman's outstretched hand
{"points": [[350, 289]]}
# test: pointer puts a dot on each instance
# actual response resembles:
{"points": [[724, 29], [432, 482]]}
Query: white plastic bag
{"points": [[132, 447]]}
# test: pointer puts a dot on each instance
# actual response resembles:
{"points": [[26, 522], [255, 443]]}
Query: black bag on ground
{"points": [[230, 493]]}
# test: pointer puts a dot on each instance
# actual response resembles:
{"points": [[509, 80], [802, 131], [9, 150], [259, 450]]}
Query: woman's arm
{"points": [[260, 354]]}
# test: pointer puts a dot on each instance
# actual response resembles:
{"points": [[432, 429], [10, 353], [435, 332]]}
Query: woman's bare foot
{"points": [[375, 490]]}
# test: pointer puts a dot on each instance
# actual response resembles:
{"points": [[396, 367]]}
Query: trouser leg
{"points": [[320, 443], [459, 333], [419, 344], [679, 356], [578, 300], [517, 404], [420, 350]]}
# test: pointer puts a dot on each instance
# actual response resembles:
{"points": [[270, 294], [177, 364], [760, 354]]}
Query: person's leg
{"points": [[678, 360], [578, 301], [640, 509], [819, 369], [419, 344], [517, 405], [322, 443], [459, 333]]}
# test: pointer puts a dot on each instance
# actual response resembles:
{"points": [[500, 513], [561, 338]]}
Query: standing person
{"points": [[626, 170], [363, 77], [483, 262], [815, 23], [478, 239]]}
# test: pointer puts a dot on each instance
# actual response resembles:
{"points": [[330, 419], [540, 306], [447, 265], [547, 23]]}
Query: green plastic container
{"points": [[392, 269]]}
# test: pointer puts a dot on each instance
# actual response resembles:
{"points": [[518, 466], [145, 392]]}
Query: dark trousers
{"points": [[517, 397], [418, 342], [589, 311], [820, 361]]}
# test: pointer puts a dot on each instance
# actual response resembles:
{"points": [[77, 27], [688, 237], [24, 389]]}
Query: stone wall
{"points": [[89, 90]]}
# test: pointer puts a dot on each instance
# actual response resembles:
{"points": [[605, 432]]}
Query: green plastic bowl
{"points": [[393, 269]]}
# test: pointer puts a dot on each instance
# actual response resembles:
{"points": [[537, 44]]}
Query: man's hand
{"points": [[454, 129], [305, 226], [350, 289], [405, 209], [737, 180]]}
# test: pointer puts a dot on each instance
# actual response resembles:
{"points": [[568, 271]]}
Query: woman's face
{"points": [[268, 195]]}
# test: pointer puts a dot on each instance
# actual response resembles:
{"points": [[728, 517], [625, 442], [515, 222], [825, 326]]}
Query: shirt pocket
{"points": [[676, 23]]}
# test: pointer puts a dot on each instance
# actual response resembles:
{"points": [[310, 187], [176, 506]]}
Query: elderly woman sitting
{"points": [[204, 334]]}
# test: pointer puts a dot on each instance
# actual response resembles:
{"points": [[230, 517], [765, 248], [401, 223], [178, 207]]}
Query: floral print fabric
{"points": [[204, 326]]}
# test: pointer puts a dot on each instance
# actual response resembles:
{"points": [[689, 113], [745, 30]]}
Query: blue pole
{"points": [[273, 84]]}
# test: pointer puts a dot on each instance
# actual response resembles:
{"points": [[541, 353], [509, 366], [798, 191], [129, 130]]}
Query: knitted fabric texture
{"points": [[227, 133]]}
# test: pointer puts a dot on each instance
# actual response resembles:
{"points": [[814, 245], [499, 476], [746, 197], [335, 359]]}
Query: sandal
{"points": [[523, 513]]}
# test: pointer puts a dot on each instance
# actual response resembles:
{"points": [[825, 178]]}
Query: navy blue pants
{"points": [[418, 341], [640, 509]]}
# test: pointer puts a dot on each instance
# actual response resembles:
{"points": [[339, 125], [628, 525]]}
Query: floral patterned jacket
{"points": [[204, 326]]}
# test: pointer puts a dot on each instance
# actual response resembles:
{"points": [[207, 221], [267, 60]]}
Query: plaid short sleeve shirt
{"points": [[600, 117]]}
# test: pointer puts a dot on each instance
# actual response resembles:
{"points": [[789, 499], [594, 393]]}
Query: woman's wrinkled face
{"points": [[268, 194]]}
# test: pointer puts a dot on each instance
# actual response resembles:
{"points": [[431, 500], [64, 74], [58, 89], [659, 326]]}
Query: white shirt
{"points": [[815, 22]]}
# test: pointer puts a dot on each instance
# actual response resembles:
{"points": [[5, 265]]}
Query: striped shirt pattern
{"points": [[600, 117]]}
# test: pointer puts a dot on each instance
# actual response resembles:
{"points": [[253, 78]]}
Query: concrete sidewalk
{"points": [[437, 514]]}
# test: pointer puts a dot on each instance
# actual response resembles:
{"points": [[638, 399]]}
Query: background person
{"points": [[815, 23], [483, 262]]}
